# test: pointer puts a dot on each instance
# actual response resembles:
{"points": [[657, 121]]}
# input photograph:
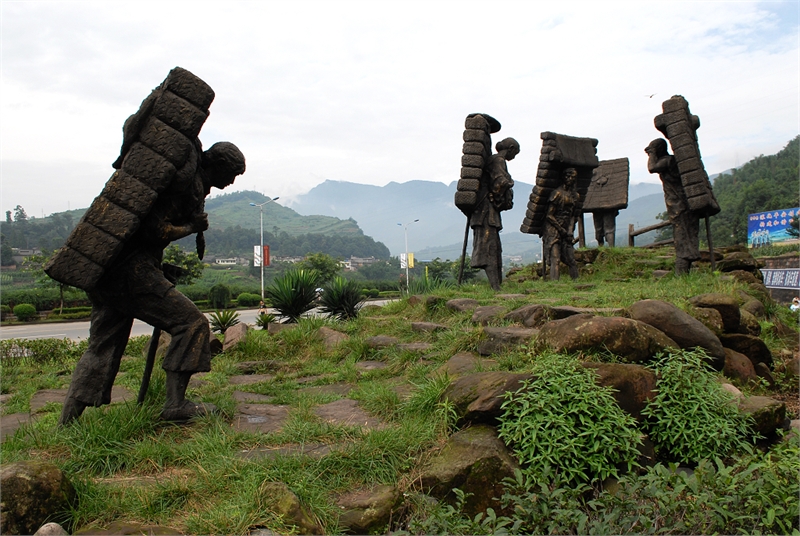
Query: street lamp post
{"points": [[261, 211], [405, 230]]}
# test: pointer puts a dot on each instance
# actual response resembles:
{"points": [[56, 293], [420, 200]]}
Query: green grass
{"points": [[127, 466]]}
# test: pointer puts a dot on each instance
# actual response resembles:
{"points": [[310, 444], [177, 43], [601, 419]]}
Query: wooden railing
{"points": [[636, 232]]}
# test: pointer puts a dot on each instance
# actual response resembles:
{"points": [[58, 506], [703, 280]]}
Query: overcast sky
{"points": [[373, 92]]}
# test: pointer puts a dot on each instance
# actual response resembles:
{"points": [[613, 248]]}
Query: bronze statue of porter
{"points": [[687, 189], [157, 195], [562, 213], [484, 190], [685, 225]]}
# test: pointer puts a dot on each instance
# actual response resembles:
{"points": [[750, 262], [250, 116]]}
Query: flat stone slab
{"points": [[381, 341], [464, 363], [501, 338], [486, 314], [250, 379], [252, 367], [415, 347], [5, 398], [243, 397], [365, 366], [264, 418], [347, 412], [11, 423], [427, 327], [310, 379], [313, 450], [45, 396], [339, 389], [462, 304], [198, 380]]}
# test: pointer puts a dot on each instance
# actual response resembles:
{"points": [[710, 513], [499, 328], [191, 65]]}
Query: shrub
{"points": [[5, 309], [219, 295], [562, 419], [25, 312], [222, 320], [341, 299], [691, 416], [246, 299], [293, 293]]}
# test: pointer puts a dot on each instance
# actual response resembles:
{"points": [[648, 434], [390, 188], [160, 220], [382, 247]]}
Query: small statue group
{"points": [[571, 181]]}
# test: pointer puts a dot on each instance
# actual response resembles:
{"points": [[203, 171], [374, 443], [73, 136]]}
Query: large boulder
{"points": [[738, 367], [234, 335], [279, 499], [738, 260], [475, 461], [499, 339], [748, 323], [631, 340], [751, 346], [768, 414], [33, 493], [464, 363], [633, 385], [477, 397], [679, 326], [710, 319], [727, 306], [488, 314], [365, 510], [530, 316]]}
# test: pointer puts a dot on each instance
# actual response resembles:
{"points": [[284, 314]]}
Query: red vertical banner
{"points": [[266, 256]]}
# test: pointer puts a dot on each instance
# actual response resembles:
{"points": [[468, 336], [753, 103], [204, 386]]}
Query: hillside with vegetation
{"points": [[764, 183]]}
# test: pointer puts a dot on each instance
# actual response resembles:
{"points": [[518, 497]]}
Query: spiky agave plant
{"points": [[342, 299], [293, 293], [222, 320]]}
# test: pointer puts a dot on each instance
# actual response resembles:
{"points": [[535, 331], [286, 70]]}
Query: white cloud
{"points": [[377, 92]]}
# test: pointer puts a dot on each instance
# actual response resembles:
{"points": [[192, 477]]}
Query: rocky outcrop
{"points": [[727, 306], [530, 316], [738, 367], [753, 347], [487, 314], [475, 461], [679, 326], [33, 493], [633, 385], [363, 511], [234, 335], [278, 498], [499, 339], [477, 397], [631, 340], [768, 414]]}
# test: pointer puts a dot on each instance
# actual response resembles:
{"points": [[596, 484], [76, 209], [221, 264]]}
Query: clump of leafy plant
{"points": [[294, 293], [341, 299], [222, 320], [561, 420], [691, 416]]}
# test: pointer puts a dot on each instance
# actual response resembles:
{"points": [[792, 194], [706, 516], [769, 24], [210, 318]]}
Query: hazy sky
{"points": [[373, 92]]}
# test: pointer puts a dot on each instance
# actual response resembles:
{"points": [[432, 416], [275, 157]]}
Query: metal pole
{"points": [[261, 209], [405, 228]]}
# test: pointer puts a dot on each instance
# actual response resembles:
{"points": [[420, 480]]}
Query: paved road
{"points": [[80, 330]]}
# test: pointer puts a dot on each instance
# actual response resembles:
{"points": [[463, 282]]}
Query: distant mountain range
{"points": [[440, 231]]}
